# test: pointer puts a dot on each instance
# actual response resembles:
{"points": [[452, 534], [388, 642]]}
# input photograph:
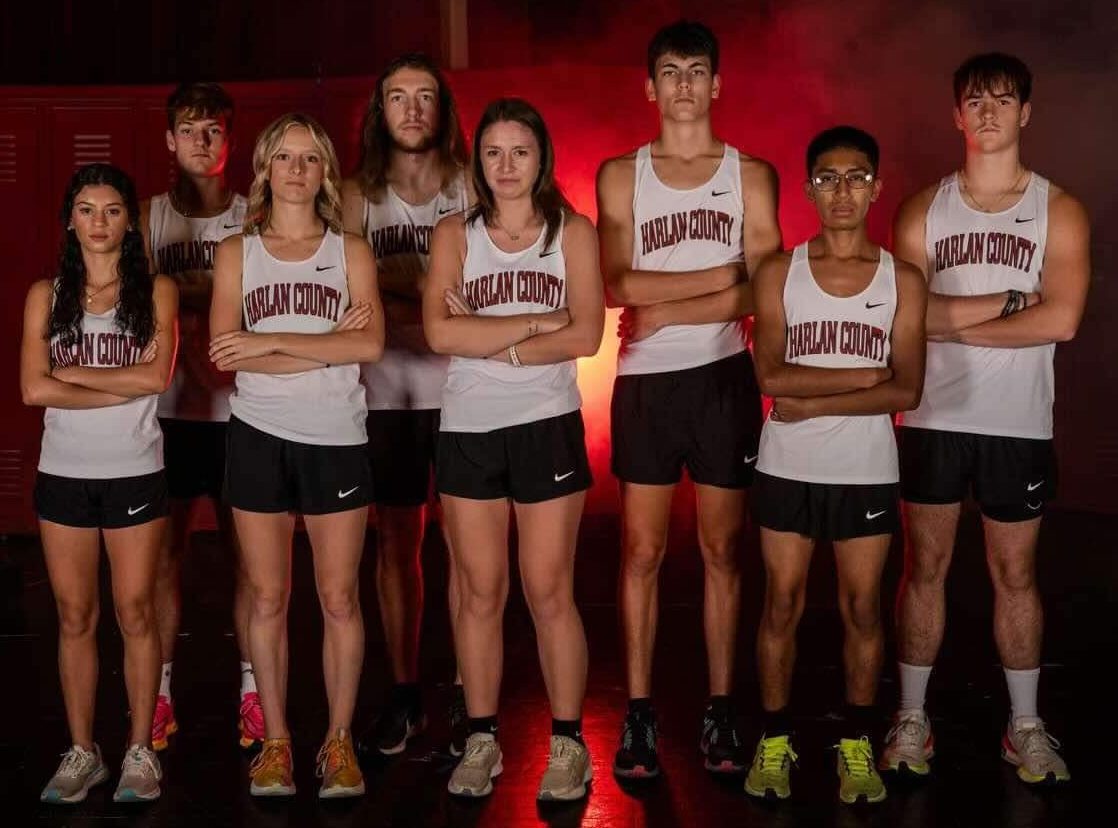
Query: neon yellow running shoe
{"points": [[771, 768], [858, 778]]}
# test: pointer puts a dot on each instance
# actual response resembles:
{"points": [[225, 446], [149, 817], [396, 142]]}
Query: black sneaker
{"points": [[720, 743], [398, 722], [459, 721], [636, 757]]}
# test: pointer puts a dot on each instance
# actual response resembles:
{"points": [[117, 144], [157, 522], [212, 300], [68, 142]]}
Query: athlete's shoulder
{"points": [[619, 167], [1064, 208], [757, 173], [908, 272], [41, 290], [578, 226], [916, 206], [164, 284], [774, 266]]}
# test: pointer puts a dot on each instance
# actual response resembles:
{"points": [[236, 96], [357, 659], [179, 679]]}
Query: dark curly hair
{"points": [[547, 198], [135, 310]]}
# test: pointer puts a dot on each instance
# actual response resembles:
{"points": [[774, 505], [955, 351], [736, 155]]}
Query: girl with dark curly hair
{"points": [[98, 348]]}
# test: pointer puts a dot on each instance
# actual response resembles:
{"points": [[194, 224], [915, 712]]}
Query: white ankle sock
{"points": [[914, 685], [1022, 685], [165, 680], [248, 678]]}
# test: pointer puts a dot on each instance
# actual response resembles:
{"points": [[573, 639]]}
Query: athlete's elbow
{"points": [[1066, 329], [436, 339], [32, 394], [908, 398], [587, 346]]}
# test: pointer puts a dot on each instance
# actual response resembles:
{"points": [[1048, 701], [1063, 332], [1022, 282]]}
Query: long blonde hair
{"points": [[328, 199]]}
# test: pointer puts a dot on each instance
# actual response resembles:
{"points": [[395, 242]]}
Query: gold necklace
{"points": [[514, 236], [89, 295], [979, 204]]}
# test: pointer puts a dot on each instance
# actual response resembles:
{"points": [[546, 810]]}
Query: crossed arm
{"points": [[800, 391], [358, 336], [80, 387]]}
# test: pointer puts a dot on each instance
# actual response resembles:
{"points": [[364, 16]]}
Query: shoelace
{"points": [[142, 760], [476, 749], [73, 761], [776, 753], [1036, 741], [272, 754], [909, 730], [561, 756], [858, 757], [648, 729], [722, 726], [332, 757], [250, 704]]}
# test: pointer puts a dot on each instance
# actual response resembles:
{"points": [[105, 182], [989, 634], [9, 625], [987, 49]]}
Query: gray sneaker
{"points": [[909, 744], [78, 771], [568, 770], [1032, 749], [479, 764], [140, 775]]}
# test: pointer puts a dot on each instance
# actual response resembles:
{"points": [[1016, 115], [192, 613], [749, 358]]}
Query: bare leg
{"points": [[860, 562], [921, 606], [721, 514], [400, 586], [1018, 614], [787, 557]]}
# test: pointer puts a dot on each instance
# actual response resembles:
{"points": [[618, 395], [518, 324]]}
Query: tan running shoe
{"points": [[338, 768]]}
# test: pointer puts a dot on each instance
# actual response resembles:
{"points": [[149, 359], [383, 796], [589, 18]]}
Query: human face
{"points": [[845, 207], [99, 218], [510, 159], [683, 87], [297, 167], [411, 109], [991, 120], [201, 145]]}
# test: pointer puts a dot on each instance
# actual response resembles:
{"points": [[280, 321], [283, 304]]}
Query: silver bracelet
{"points": [[514, 357]]}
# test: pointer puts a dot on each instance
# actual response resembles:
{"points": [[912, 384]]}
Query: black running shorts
{"points": [[528, 463], [112, 503], [402, 455], [265, 473], [194, 457], [825, 511], [706, 418], [1011, 478]]}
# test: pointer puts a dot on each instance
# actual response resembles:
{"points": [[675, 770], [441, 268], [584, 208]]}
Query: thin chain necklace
{"points": [[514, 236], [998, 200], [186, 213], [90, 295]]}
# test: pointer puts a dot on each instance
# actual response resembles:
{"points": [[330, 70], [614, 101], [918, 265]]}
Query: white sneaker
{"points": [[909, 744], [568, 770], [140, 775], [1032, 749], [78, 771], [480, 763]]}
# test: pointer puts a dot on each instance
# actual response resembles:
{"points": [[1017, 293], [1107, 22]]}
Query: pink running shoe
{"points": [[251, 724], [163, 724]]}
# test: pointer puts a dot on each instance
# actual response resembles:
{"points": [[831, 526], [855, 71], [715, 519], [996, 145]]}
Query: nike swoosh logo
{"points": [[749, 459], [1032, 487], [320, 268], [715, 193], [1034, 508], [872, 515], [137, 510], [447, 210], [342, 494], [230, 226], [1023, 221], [874, 305], [559, 477]]}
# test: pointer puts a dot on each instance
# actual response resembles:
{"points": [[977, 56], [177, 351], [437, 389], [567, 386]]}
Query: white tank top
{"points": [[323, 406], [484, 395], [676, 230], [101, 443], [998, 391], [400, 234], [826, 331], [183, 248]]}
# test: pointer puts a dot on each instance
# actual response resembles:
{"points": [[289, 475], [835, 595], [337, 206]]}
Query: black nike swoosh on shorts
{"points": [[319, 268]]}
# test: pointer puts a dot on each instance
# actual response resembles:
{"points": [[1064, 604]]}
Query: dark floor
{"points": [[205, 773]]}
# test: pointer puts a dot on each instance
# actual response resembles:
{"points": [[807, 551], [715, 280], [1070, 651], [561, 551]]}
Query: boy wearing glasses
{"points": [[839, 346]]}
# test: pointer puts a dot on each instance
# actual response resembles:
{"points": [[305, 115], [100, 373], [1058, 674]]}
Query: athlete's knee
{"points": [[135, 615], [339, 605], [1012, 575], [926, 566], [861, 614], [482, 601], [268, 603], [642, 555], [549, 603], [77, 619], [783, 608], [720, 554]]}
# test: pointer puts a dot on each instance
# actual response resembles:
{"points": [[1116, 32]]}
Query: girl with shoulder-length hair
{"points": [[295, 309], [515, 296], [98, 347]]}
